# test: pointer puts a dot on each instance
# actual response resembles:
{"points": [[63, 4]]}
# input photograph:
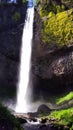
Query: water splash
{"points": [[24, 74]]}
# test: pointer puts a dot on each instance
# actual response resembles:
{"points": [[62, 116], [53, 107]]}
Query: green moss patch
{"points": [[67, 97], [62, 117], [58, 29]]}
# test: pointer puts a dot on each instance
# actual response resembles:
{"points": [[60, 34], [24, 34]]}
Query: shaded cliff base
{"points": [[55, 120]]}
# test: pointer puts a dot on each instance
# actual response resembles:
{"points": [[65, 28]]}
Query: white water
{"points": [[22, 105]]}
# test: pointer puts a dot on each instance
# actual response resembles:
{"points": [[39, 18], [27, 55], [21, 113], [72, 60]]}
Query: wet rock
{"points": [[52, 120], [42, 126], [33, 119], [43, 109], [44, 120], [21, 120]]}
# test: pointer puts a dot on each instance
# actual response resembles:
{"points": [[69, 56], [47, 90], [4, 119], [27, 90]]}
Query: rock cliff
{"points": [[52, 68]]}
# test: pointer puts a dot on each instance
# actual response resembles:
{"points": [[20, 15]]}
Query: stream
{"points": [[30, 122], [28, 126]]}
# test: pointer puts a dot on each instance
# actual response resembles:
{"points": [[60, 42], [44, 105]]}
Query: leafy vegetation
{"points": [[58, 22], [58, 29], [62, 117], [5, 114], [46, 9], [65, 98]]}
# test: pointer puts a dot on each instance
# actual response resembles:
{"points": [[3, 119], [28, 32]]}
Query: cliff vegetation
{"points": [[57, 23]]}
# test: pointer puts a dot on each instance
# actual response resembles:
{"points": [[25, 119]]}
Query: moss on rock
{"points": [[62, 117], [65, 98], [58, 29]]}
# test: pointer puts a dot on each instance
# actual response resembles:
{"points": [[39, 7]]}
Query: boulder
{"points": [[43, 109]]}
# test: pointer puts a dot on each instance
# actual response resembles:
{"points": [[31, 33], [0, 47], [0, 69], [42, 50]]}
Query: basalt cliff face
{"points": [[52, 68], [11, 25]]}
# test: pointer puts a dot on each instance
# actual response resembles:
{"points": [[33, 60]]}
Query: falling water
{"points": [[24, 70]]}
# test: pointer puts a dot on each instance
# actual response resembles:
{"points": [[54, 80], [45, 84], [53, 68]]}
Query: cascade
{"points": [[22, 105]]}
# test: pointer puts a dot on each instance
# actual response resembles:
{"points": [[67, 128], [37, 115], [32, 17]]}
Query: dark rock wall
{"points": [[11, 15], [10, 44], [53, 73], [52, 67]]}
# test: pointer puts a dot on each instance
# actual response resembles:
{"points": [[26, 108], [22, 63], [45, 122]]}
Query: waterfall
{"points": [[22, 105]]}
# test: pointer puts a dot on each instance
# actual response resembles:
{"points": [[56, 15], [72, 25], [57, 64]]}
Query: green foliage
{"points": [[65, 98], [46, 8], [16, 16], [37, 1], [59, 28], [62, 117], [6, 114], [71, 128], [23, 1]]}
